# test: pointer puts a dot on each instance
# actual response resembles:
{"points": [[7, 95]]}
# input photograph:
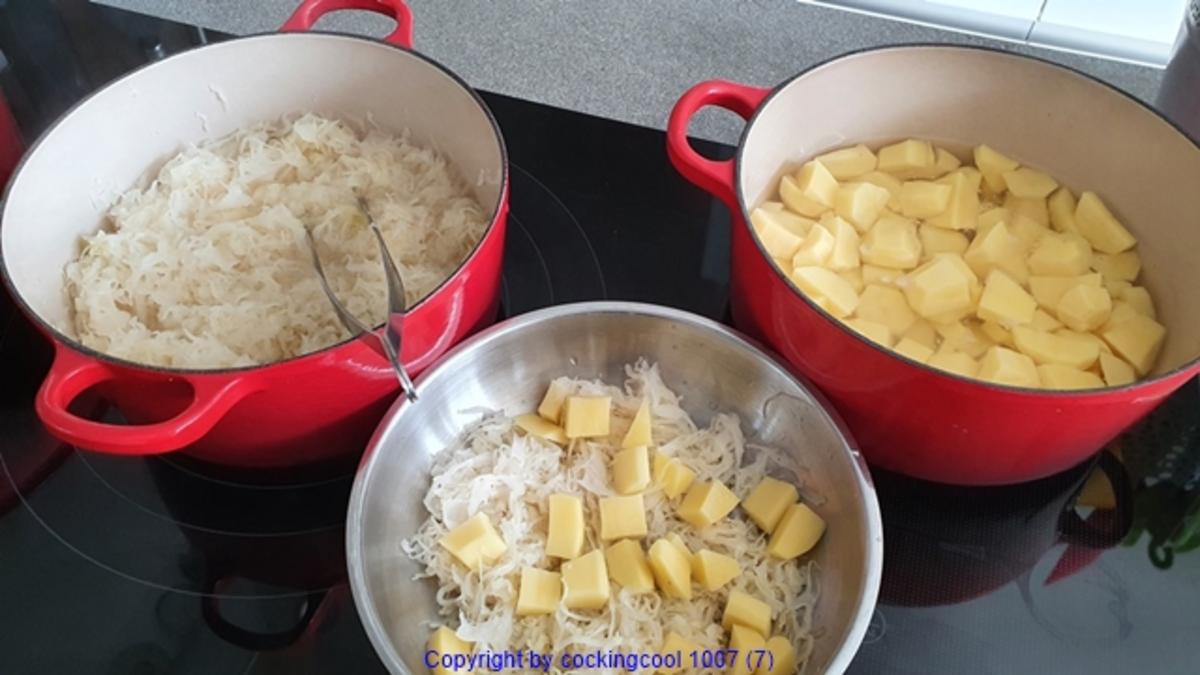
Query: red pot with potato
{"points": [[989, 269]]}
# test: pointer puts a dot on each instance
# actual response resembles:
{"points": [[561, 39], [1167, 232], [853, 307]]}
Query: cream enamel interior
{"points": [[1083, 133], [116, 138]]}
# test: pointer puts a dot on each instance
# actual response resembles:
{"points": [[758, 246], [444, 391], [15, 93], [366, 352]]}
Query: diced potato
{"points": [[585, 582], [1084, 308], [1005, 366], [797, 533], [1137, 340], [1043, 321], [861, 203], [824, 284], [922, 332], [914, 350], [886, 305], [1029, 207], [962, 209], [1049, 290], [445, 641], [887, 182], [552, 403], [536, 425], [771, 205], [945, 161], [743, 643], [815, 248], [940, 240], [1029, 231], [998, 249], [639, 429], [672, 571], [892, 242], [540, 592], [631, 470], [1005, 302], [671, 475], [874, 274], [1026, 182], [999, 334], [1100, 227], [1123, 266], [965, 338], [845, 247], [1061, 207], [627, 565], [1060, 255], [954, 361], [906, 156], [992, 165], [922, 198], [854, 278], [706, 503], [938, 287], [1121, 311], [622, 517], [782, 659], [745, 610], [1055, 376], [991, 216], [812, 190], [768, 501], [680, 544], [566, 530], [586, 416], [846, 163], [1115, 371], [1062, 349], [714, 570], [677, 644], [779, 231], [475, 542], [1139, 299]]}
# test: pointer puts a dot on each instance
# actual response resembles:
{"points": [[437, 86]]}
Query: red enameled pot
{"points": [[294, 411], [908, 417]]}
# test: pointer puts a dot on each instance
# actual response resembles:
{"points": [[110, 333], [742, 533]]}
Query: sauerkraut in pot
{"points": [[207, 266]]}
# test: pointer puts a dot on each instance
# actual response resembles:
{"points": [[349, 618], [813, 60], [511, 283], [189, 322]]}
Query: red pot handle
{"points": [[72, 374], [310, 11], [715, 177]]}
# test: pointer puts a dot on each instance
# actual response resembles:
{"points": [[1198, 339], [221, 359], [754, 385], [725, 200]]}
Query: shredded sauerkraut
{"points": [[208, 267], [509, 476]]}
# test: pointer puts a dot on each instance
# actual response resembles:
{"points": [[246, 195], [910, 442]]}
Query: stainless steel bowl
{"points": [[507, 368]]}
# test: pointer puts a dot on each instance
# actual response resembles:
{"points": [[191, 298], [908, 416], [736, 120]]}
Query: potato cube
{"points": [[1029, 231], [1056, 376], [631, 470], [823, 284], [962, 210], [1004, 301], [854, 278], [892, 242], [811, 192], [1123, 266], [1029, 207], [680, 544], [816, 247], [1121, 311], [992, 165], [998, 249], [1060, 255], [938, 287], [1005, 366], [767, 502], [922, 332], [536, 425], [906, 156], [672, 571], [945, 161], [965, 338], [1043, 321], [1115, 371], [585, 582], [622, 517], [586, 416], [1089, 338], [991, 216], [627, 565], [779, 231], [639, 429], [1139, 299], [671, 475], [1049, 290], [540, 592], [782, 659], [887, 182], [954, 361], [873, 331], [1065, 350], [846, 163], [552, 403], [914, 350], [1061, 207], [939, 240], [998, 334], [1137, 340], [874, 274], [445, 641], [1026, 182], [797, 533], [886, 305], [771, 205], [475, 542], [707, 503], [845, 247], [714, 570], [861, 203], [681, 647], [1084, 308], [1100, 227], [744, 643], [922, 198], [745, 610], [566, 530]]}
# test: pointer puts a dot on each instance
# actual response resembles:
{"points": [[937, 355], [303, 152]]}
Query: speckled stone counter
{"points": [[625, 59]]}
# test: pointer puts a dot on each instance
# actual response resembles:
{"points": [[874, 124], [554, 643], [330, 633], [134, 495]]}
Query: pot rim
{"points": [[872, 522], [497, 209], [995, 51]]}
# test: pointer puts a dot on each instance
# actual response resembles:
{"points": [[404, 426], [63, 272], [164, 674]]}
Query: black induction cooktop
{"points": [[115, 565]]}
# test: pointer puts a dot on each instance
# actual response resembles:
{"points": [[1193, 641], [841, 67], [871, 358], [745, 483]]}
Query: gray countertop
{"points": [[627, 60]]}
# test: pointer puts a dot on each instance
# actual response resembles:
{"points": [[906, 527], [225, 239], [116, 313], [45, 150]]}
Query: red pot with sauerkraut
{"points": [[156, 233]]}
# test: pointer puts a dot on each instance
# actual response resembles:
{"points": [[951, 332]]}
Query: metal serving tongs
{"points": [[389, 343]]}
